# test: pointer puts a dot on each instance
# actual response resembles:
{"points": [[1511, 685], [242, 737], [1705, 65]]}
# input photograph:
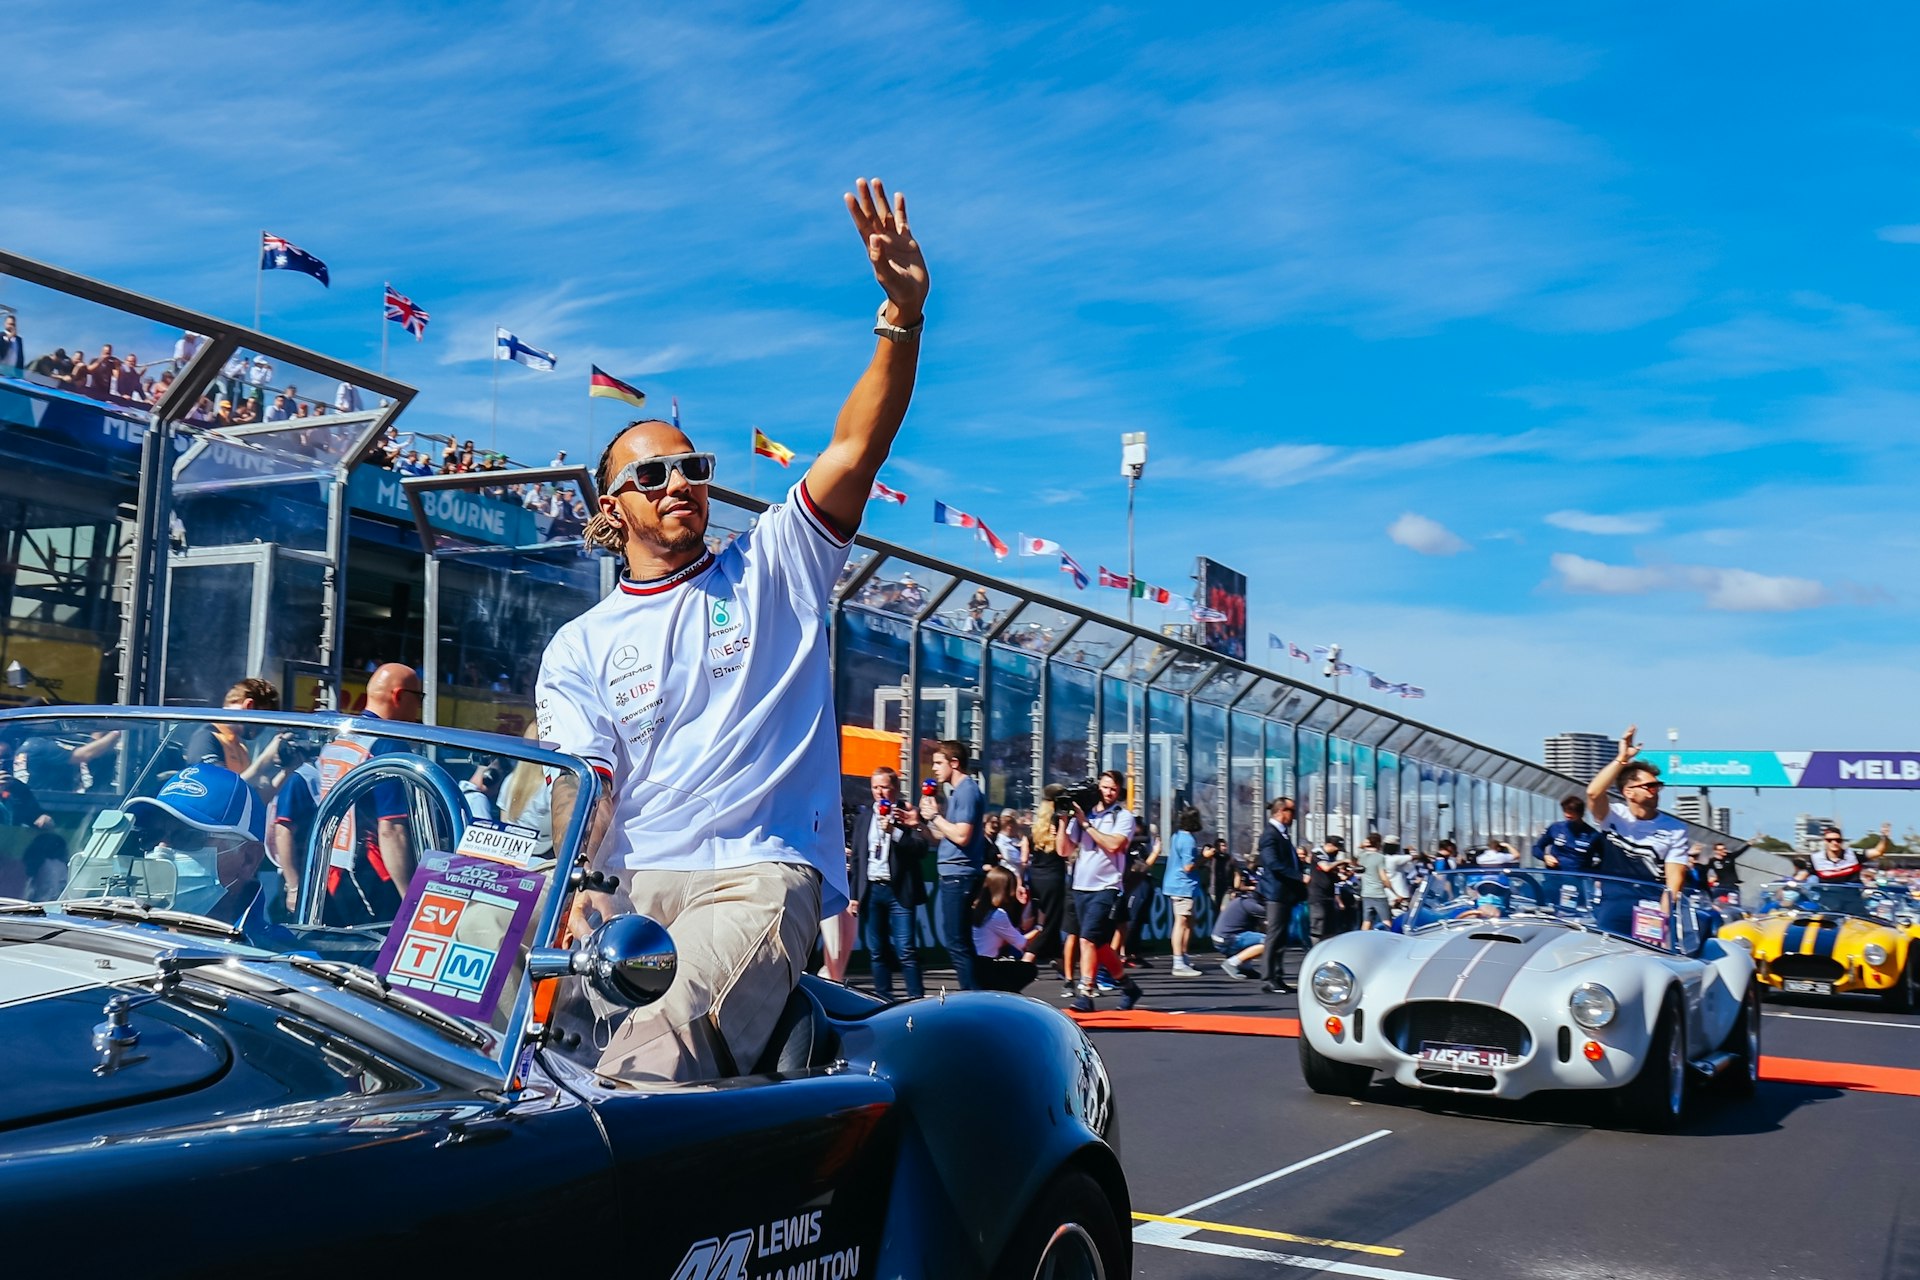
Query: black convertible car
{"points": [[233, 1043]]}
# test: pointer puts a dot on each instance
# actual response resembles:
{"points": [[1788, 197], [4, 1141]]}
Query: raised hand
{"points": [[1628, 747], [898, 265]]}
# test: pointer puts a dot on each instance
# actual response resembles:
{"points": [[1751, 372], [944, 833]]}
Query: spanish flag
{"points": [[605, 384], [771, 448]]}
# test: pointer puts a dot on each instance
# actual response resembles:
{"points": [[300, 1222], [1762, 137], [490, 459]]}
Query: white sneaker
{"points": [[1182, 969]]}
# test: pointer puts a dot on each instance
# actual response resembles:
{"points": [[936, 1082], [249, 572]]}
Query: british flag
{"points": [[402, 311]]}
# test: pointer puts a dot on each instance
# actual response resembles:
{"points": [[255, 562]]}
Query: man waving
{"points": [[700, 691]]}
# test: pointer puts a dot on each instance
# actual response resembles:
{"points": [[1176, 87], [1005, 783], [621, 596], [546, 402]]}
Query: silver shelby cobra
{"points": [[1507, 983]]}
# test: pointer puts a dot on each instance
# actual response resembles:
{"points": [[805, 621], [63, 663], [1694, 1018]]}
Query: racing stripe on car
{"points": [[1487, 983], [1791, 936], [1442, 969], [1826, 933]]}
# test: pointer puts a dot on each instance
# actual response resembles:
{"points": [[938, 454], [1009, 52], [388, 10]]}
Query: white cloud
{"points": [[1591, 577], [1603, 525], [1429, 537], [1728, 590], [1908, 234]]}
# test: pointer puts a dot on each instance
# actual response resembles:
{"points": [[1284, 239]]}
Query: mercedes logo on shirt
{"points": [[625, 656]]}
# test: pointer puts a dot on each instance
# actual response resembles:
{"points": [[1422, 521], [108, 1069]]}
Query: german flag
{"points": [[771, 448], [605, 384]]}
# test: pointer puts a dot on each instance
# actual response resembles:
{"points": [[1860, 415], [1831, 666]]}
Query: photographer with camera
{"points": [[1325, 872], [1101, 838]]}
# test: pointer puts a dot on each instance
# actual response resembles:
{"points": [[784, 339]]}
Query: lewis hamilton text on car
{"points": [[706, 676]]}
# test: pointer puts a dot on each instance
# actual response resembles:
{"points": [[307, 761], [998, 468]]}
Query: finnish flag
{"points": [[508, 347]]}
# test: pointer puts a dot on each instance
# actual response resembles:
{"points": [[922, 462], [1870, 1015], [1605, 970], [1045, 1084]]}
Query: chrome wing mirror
{"points": [[629, 960]]}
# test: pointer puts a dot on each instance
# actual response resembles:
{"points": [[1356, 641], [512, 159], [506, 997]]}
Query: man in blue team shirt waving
{"points": [[1639, 842]]}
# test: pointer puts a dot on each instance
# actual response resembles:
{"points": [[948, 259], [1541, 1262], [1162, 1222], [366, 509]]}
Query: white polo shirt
{"points": [[1095, 868], [707, 698]]}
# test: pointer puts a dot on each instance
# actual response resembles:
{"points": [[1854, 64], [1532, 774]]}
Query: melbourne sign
{"points": [[1887, 770]]}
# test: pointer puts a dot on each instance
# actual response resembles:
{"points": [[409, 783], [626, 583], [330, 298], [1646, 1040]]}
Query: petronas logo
{"points": [[722, 615]]}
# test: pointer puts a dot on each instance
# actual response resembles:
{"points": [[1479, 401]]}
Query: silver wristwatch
{"points": [[893, 332]]}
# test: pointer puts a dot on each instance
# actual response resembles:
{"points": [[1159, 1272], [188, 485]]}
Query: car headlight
{"points": [[1875, 953], [1333, 984], [1592, 1005]]}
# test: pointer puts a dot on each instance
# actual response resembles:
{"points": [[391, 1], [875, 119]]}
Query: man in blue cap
{"points": [[209, 824]]}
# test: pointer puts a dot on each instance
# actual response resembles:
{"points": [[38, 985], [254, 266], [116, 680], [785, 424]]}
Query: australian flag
{"points": [[282, 255]]}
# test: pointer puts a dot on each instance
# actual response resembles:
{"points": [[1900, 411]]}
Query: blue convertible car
{"points": [[339, 1032]]}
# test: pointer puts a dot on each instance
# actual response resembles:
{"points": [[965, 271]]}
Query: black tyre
{"points": [[1071, 1233], [1324, 1075], [1904, 995], [1743, 1041], [1655, 1100]]}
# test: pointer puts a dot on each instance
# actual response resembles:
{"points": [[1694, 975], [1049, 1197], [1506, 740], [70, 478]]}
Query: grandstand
{"points": [[309, 547]]}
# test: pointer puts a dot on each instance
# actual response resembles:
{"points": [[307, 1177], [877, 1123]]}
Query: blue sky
{"points": [[1562, 361]]}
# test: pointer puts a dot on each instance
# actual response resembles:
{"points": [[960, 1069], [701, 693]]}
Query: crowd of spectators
{"points": [[245, 394]]}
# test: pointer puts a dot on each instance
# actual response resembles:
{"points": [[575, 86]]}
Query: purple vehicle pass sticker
{"points": [[457, 931]]}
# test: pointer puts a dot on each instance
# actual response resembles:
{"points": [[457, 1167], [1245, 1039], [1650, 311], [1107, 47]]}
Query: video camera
{"points": [[1085, 793]]}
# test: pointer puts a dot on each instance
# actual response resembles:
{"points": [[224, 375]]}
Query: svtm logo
{"points": [[717, 1259]]}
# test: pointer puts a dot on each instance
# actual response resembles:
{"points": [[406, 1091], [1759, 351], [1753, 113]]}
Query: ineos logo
{"points": [[625, 657]]}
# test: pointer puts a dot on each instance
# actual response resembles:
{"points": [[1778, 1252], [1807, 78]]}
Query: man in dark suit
{"points": [[884, 882], [1280, 882]]}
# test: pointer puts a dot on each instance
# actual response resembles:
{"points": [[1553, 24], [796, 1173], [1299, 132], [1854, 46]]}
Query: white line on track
{"points": [[1851, 1022], [1187, 1211], [1297, 1261]]}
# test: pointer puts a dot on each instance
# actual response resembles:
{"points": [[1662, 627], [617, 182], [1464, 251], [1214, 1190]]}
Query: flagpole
{"points": [[584, 461], [493, 426], [259, 273], [383, 331], [753, 464]]}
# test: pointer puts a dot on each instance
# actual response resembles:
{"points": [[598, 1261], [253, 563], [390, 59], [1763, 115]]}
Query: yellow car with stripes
{"points": [[1815, 939]]}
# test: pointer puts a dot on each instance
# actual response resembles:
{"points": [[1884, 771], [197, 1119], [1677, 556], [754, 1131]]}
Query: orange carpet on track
{"points": [[1808, 1071]]}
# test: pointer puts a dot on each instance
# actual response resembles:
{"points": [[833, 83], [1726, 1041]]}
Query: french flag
{"points": [[883, 494], [958, 519]]}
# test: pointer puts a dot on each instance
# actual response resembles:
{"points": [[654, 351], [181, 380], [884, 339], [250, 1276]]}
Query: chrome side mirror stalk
{"points": [[629, 960]]}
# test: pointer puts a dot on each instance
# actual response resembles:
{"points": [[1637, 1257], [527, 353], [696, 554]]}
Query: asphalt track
{"points": [[1237, 1170]]}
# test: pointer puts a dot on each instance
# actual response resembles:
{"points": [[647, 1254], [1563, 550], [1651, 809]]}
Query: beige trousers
{"points": [[743, 936]]}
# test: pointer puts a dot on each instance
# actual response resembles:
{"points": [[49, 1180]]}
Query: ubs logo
{"points": [[625, 657]]}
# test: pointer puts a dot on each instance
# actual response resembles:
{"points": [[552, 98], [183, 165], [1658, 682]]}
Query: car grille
{"points": [[1456, 1022], [1818, 968], [1454, 1079]]}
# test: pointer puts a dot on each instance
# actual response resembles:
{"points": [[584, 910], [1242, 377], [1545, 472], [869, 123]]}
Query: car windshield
{"points": [[1878, 902], [1629, 909], [339, 839]]}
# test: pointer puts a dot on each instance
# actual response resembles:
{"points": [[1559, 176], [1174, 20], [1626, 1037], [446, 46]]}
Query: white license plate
{"points": [[1473, 1056], [1806, 986]]}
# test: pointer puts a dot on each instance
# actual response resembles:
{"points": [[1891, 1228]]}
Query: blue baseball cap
{"points": [[211, 798]]}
